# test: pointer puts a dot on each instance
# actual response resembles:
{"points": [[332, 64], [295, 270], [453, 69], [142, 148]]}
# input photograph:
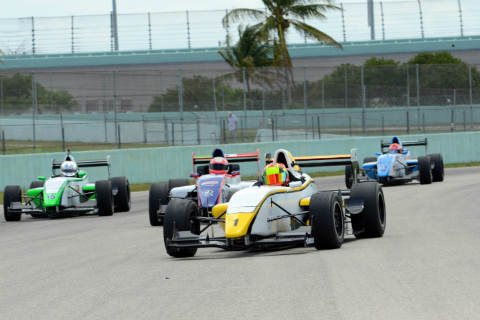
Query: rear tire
{"points": [[11, 194], [328, 227], [437, 171], [37, 184], [180, 212], [370, 159], [348, 176], [175, 183], [103, 194], [424, 170], [373, 218], [123, 199], [158, 195]]}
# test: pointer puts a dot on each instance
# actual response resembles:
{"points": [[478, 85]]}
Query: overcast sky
{"points": [[56, 8]]}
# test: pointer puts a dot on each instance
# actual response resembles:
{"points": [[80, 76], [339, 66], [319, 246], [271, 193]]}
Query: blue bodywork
{"points": [[210, 187]]}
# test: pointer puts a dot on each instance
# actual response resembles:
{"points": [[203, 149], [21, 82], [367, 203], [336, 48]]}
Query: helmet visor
{"points": [[275, 178], [218, 166]]}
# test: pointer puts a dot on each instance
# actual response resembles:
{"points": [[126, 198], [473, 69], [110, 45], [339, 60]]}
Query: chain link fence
{"points": [[202, 29], [51, 111]]}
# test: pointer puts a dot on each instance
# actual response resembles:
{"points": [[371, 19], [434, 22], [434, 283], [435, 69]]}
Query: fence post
{"points": [[461, 19], [323, 96], [33, 35], [273, 129], [144, 122], [198, 132], [34, 97], [343, 24], [115, 105], [408, 87], [1, 91], [188, 30], [165, 129], [364, 107], [149, 31], [119, 140], [51, 93], [421, 18], [451, 122], [424, 123], [215, 99], [383, 24], [173, 134], [180, 96], [244, 96], [242, 129], [223, 131], [408, 122], [313, 129], [350, 123], [471, 96], [63, 139], [346, 88], [383, 125], [305, 101], [418, 97], [223, 93], [319, 129], [3, 141], [73, 39], [263, 100], [464, 122], [105, 121]]}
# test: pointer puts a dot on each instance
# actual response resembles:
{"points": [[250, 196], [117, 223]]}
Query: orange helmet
{"points": [[218, 165], [395, 148], [275, 174]]}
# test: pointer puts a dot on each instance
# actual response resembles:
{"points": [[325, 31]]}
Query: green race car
{"points": [[69, 193]]}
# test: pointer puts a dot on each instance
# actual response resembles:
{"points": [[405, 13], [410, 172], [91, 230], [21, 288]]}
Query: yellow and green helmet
{"points": [[275, 174]]}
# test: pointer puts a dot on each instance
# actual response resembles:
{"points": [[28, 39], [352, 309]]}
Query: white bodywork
{"points": [[247, 201]]}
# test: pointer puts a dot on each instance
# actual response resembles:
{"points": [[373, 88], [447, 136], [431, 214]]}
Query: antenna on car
{"points": [[68, 151]]}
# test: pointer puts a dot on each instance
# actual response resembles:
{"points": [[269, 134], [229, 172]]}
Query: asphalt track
{"points": [[427, 266]]}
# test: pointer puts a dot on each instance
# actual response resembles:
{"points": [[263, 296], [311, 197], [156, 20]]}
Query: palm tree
{"points": [[280, 17], [254, 56]]}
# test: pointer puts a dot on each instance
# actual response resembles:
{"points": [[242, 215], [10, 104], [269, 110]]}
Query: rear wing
{"points": [[327, 161], [85, 164], [409, 143], [231, 158]]}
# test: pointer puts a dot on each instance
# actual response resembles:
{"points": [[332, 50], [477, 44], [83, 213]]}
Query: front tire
{"points": [[104, 196], [180, 213], [158, 194], [437, 171], [11, 194], [424, 170], [328, 227], [348, 176], [373, 218], [123, 199]]}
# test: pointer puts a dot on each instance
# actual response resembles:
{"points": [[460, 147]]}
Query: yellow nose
{"points": [[238, 224]]}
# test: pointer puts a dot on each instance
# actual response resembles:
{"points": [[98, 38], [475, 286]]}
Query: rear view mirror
{"points": [[81, 174], [41, 178], [404, 152], [378, 153]]}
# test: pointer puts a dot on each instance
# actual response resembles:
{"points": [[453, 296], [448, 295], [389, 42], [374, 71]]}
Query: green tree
{"points": [[17, 93], [281, 17], [252, 55]]}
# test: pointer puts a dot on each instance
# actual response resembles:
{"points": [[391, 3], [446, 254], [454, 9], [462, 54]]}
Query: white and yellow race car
{"points": [[277, 216]]}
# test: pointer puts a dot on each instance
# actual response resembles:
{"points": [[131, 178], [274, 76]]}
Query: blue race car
{"points": [[397, 166]]}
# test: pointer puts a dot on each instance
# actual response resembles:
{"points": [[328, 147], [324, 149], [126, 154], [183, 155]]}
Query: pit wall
{"points": [[162, 164]]}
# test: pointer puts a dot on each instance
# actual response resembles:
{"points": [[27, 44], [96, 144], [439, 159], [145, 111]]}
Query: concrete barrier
{"points": [[162, 164]]}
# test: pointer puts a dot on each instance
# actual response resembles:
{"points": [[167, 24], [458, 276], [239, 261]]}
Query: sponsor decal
{"points": [[208, 193], [51, 197], [77, 187], [310, 241], [206, 183]]}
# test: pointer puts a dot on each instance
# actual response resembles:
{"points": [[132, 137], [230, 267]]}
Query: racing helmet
{"points": [[218, 165], [68, 169], [395, 148], [275, 174]]}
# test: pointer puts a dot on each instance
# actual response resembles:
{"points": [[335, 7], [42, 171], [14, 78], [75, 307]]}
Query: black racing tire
{"points": [[11, 194], [328, 227], [123, 199], [230, 195], [424, 170], [373, 218], [438, 173], [175, 183], [348, 176], [37, 184], [104, 196], [370, 159], [158, 194], [179, 213]]}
